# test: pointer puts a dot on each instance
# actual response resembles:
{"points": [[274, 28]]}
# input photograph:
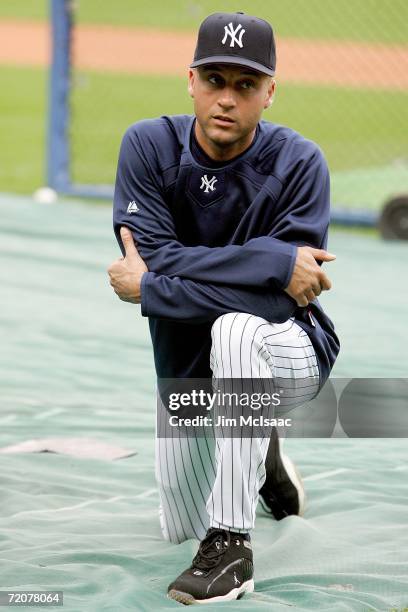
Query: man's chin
{"points": [[222, 138]]}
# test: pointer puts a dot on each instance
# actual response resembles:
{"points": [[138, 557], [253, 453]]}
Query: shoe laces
{"points": [[211, 549]]}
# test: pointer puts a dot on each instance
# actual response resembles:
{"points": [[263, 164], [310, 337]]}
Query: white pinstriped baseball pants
{"points": [[207, 482]]}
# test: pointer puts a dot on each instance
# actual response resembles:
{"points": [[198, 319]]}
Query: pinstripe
{"points": [[251, 451], [229, 343], [221, 496], [242, 374], [289, 358], [283, 331], [232, 439], [172, 494], [256, 487], [294, 369], [171, 481], [171, 490], [210, 456], [300, 378], [167, 514], [234, 473], [193, 466], [296, 348], [220, 448], [179, 488], [220, 351], [240, 344], [201, 459], [240, 359], [189, 488], [252, 428]]}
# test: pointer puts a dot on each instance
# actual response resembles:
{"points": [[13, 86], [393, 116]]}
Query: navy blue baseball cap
{"points": [[236, 38]]}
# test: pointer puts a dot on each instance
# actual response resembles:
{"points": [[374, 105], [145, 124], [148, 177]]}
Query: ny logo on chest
{"points": [[208, 184]]}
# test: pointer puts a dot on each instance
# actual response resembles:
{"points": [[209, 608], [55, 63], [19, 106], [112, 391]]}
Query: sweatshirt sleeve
{"points": [[139, 204], [303, 211], [192, 302]]}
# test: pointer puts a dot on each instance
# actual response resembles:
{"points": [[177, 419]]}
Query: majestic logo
{"points": [[132, 208], [208, 183], [229, 31]]}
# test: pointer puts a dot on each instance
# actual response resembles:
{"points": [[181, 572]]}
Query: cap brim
{"points": [[236, 61]]}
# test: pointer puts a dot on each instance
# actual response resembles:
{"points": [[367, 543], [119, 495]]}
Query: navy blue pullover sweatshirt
{"points": [[220, 239]]}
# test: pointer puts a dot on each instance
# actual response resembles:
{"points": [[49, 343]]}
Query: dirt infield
{"points": [[141, 51]]}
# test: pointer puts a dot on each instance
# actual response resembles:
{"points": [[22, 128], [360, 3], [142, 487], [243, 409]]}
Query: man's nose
{"points": [[227, 99]]}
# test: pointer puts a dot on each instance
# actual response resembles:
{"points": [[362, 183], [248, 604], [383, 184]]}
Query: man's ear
{"points": [[190, 86], [270, 93]]}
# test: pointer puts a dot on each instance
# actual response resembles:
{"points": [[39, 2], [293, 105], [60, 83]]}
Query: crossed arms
{"points": [[267, 276]]}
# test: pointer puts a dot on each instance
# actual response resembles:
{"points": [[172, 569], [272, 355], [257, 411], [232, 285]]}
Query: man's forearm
{"points": [[189, 301], [200, 299], [260, 262]]}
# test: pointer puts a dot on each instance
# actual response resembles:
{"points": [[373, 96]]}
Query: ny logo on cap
{"points": [[208, 183], [229, 31]]}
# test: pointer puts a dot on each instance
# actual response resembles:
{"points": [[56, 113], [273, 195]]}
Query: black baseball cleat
{"points": [[222, 570], [282, 493]]}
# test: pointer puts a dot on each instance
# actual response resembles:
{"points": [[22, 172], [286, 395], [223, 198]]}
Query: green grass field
{"points": [[368, 20], [335, 118], [362, 132], [22, 129]]}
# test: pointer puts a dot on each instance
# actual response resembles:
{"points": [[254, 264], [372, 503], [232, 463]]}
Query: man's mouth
{"points": [[223, 119]]}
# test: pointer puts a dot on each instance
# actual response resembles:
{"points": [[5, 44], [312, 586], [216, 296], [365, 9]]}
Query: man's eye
{"points": [[247, 84], [214, 79]]}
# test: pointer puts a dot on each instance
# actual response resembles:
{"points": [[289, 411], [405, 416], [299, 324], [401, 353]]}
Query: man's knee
{"points": [[236, 345], [233, 325]]}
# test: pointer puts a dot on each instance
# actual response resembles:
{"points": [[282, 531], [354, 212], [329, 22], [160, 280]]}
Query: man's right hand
{"points": [[308, 279]]}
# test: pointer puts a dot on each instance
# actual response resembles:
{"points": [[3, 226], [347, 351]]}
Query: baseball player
{"points": [[222, 219]]}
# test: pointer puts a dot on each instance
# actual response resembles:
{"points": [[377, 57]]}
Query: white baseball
{"points": [[45, 195]]}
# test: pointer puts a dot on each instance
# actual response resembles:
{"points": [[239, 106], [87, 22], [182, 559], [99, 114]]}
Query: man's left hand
{"points": [[126, 272]]}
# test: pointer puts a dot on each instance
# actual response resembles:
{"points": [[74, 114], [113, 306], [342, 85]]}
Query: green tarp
{"points": [[75, 362]]}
